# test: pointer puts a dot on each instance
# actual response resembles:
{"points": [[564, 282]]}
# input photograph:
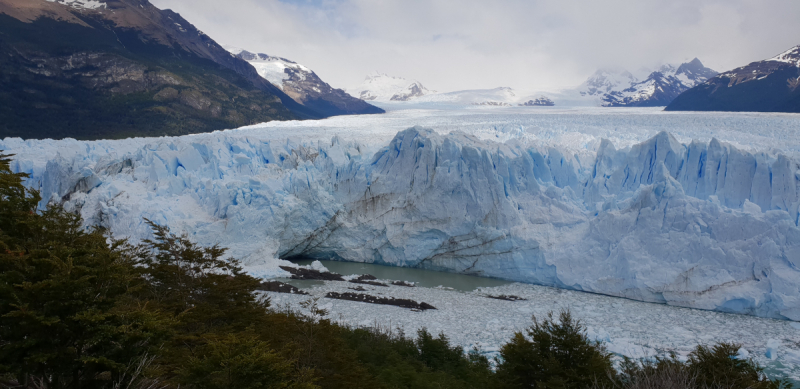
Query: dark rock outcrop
{"points": [[279, 287], [403, 283], [542, 101], [506, 297], [301, 273], [365, 298]]}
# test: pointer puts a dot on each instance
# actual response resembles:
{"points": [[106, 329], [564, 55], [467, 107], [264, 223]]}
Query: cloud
{"points": [[525, 44]]}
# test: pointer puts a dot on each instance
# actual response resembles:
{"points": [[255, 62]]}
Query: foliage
{"points": [[59, 294], [720, 366], [713, 367], [557, 355], [242, 361], [424, 362]]}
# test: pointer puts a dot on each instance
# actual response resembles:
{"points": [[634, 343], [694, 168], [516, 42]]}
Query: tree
{"points": [[720, 366], [59, 290], [557, 355], [241, 361], [197, 283]]}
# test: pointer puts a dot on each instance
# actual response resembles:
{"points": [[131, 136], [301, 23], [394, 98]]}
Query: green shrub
{"points": [[62, 294], [719, 366], [707, 368], [240, 361], [556, 354]]}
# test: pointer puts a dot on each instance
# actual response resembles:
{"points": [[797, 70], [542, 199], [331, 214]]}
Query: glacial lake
{"points": [[420, 277]]}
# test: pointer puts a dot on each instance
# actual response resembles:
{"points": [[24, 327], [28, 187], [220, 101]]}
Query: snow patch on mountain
{"points": [[81, 4], [273, 69], [605, 81], [791, 56]]}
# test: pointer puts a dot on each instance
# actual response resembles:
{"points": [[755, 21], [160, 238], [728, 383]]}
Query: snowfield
{"points": [[685, 209]]}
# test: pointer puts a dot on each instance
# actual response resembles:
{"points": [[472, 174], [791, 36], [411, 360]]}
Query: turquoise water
{"points": [[423, 278]]}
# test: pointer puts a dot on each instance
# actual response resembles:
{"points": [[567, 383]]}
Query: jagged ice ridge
{"points": [[703, 224]]}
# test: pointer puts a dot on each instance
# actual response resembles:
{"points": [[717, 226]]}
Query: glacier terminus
{"points": [[684, 209]]}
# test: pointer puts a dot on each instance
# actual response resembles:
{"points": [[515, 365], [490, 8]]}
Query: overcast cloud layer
{"points": [[469, 44]]}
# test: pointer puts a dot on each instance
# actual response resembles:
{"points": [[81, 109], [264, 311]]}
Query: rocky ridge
{"points": [[770, 85], [541, 101]]}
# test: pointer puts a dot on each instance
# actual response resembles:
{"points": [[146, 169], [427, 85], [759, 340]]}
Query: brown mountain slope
{"points": [[123, 68]]}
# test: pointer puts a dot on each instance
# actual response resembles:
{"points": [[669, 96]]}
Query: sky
{"points": [[533, 45]]}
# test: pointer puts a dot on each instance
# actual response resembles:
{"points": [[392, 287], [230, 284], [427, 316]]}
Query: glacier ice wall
{"points": [[702, 225]]}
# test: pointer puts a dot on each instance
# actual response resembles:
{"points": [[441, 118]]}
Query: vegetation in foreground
{"points": [[78, 310]]}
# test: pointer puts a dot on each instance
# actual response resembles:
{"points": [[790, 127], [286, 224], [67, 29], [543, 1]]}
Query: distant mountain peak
{"points": [[791, 56], [383, 87]]}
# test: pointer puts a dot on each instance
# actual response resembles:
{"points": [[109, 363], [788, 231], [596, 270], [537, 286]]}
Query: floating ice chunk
{"points": [[772, 349], [742, 354], [318, 266]]}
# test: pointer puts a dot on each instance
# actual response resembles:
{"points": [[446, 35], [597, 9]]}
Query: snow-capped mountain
{"points": [[383, 87], [606, 81], [303, 85], [770, 85], [661, 86], [620, 88]]}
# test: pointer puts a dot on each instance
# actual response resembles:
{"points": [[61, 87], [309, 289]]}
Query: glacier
{"points": [[675, 208]]}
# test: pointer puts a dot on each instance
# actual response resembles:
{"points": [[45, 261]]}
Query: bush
{"points": [[707, 368], [719, 366], [558, 355], [62, 291], [240, 361]]}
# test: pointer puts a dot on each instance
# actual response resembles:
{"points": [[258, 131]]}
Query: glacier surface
{"points": [[693, 210]]}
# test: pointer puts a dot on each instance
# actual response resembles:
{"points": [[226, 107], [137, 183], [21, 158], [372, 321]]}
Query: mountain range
{"points": [[91, 69], [770, 85], [620, 88]]}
